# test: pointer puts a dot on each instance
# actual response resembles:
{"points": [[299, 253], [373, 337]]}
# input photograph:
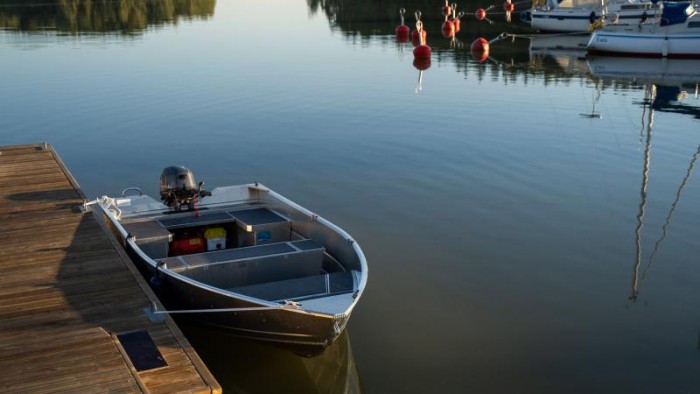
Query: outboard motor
{"points": [[178, 188]]}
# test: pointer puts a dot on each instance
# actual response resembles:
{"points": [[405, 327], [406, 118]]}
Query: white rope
{"points": [[286, 305]]}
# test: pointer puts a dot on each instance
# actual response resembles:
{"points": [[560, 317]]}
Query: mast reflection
{"points": [[664, 230], [650, 102], [650, 95], [665, 84]]}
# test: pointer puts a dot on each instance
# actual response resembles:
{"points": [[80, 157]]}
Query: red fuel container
{"points": [[187, 244]]}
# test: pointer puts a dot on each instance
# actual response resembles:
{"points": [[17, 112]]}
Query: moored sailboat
{"points": [[676, 34]]}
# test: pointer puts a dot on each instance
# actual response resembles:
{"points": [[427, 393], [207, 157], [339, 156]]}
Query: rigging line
{"points": [[541, 35], [672, 210]]}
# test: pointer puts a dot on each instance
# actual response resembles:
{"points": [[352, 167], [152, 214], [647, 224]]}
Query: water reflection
{"points": [[666, 83], [523, 54], [650, 104], [369, 20], [674, 79], [242, 365], [90, 16]]}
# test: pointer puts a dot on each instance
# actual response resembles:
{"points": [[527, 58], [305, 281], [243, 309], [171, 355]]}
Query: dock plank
{"points": [[67, 290]]}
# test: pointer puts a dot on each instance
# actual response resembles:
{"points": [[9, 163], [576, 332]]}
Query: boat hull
{"points": [[302, 332], [680, 46], [579, 19], [284, 274]]}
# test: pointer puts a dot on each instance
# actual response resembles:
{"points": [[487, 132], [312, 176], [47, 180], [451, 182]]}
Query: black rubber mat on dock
{"points": [[142, 351]]}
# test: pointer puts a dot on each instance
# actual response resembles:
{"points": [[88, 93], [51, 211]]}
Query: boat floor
{"points": [[326, 293]]}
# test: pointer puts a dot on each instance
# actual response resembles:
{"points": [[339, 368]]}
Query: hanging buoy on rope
{"points": [[402, 30], [480, 49], [480, 14], [455, 18], [446, 9], [417, 36], [422, 51], [508, 6], [448, 28]]}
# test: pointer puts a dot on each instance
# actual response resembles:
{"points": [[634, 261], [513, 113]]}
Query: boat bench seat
{"points": [[250, 265], [299, 289], [185, 262]]}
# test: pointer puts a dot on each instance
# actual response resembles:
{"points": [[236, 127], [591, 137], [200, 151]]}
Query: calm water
{"points": [[531, 222]]}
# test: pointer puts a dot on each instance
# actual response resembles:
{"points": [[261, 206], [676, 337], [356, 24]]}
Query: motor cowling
{"points": [[178, 188]]}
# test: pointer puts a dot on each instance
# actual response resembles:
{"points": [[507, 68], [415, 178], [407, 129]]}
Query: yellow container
{"points": [[215, 232], [216, 238]]}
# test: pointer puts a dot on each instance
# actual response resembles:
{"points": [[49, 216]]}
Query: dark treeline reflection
{"points": [[372, 17], [365, 21], [98, 16]]}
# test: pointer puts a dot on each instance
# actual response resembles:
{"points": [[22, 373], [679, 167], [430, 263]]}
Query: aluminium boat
{"points": [[243, 259]]}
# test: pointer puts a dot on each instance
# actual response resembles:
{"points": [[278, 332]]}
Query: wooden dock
{"points": [[68, 293]]}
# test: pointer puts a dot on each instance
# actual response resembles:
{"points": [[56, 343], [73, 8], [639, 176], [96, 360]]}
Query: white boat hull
{"points": [[579, 19], [645, 44]]}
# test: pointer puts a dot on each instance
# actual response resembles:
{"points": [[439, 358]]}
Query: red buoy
{"points": [[480, 49], [480, 14], [455, 17], [457, 24], [421, 64], [448, 25], [480, 44], [446, 9], [402, 34], [416, 37], [422, 51], [402, 30]]}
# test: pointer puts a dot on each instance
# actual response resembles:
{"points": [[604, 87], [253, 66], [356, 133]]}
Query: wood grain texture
{"points": [[67, 290]]}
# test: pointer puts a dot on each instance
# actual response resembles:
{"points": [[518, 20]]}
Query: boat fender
{"points": [[595, 25], [156, 281], [592, 18]]}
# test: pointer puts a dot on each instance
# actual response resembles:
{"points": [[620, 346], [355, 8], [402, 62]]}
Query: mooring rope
{"points": [[286, 305]]}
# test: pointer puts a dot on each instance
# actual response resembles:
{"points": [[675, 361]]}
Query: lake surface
{"points": [[531, 221]]}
